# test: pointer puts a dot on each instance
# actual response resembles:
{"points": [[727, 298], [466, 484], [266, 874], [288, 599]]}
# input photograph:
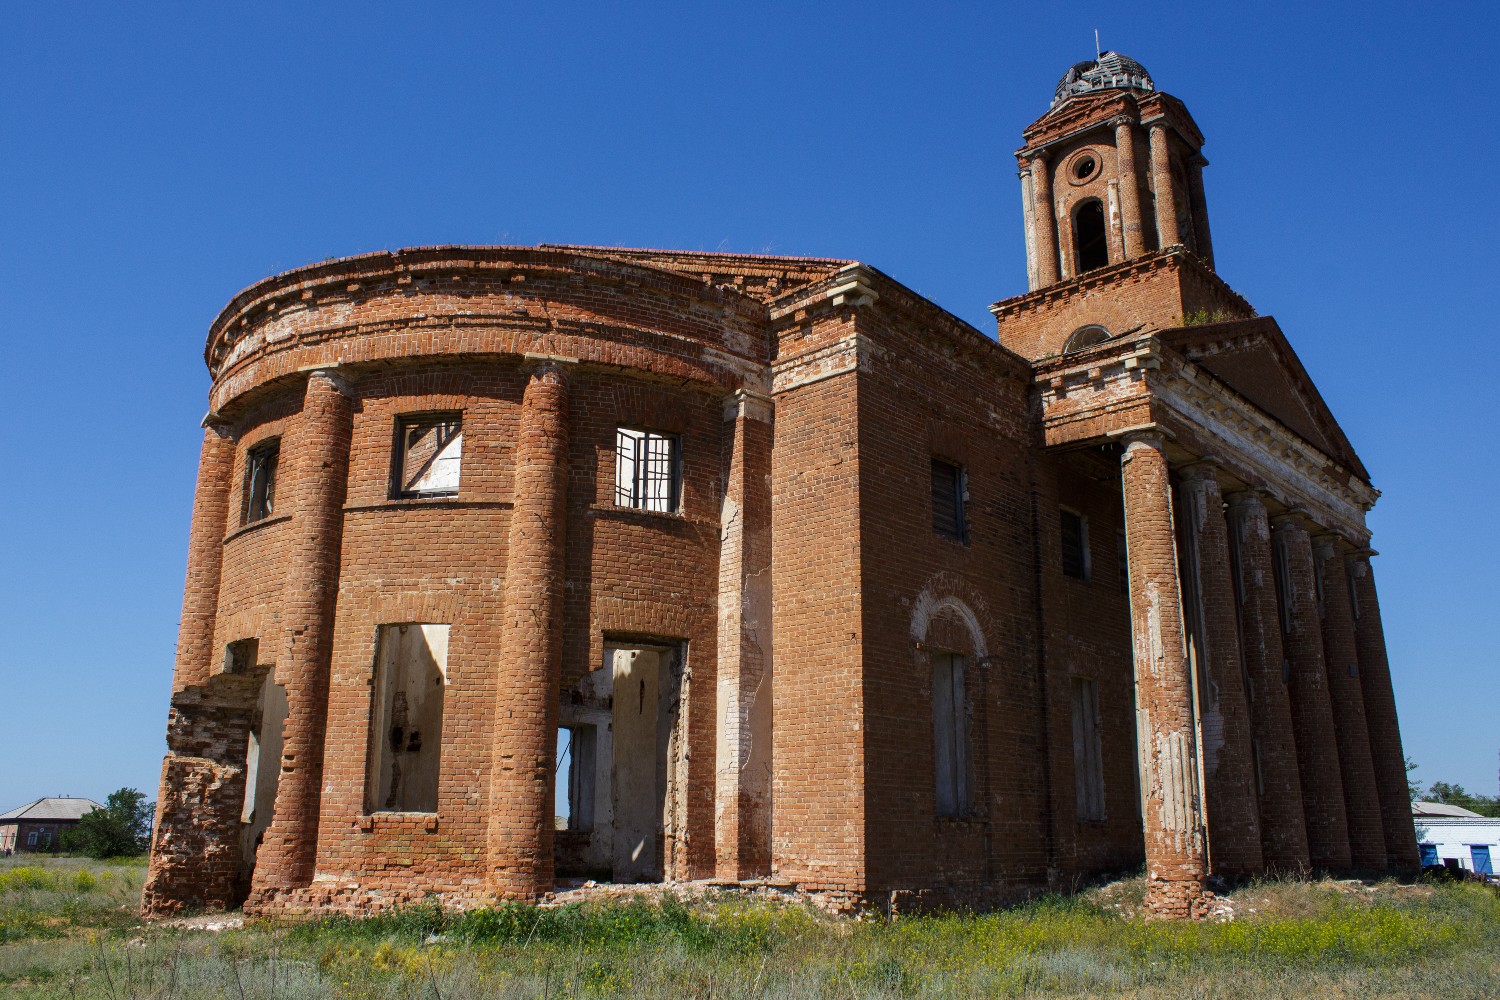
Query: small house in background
{"points": [[38, 826], [1456, 837]]}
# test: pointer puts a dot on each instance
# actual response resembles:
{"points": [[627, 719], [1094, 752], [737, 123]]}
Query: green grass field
{"points": [[68, 929]]}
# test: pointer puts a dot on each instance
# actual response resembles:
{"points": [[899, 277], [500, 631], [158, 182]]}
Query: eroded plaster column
{"points": [[1361, 800], [742, 822], [528, 681], [1171, 811], [1130, 187], [1387, 757], [1164, 187], [1312, 712], [319, 453], [1283, 826], [1198, 201], [1233, 816], [1028, 223], [1045, 221]]}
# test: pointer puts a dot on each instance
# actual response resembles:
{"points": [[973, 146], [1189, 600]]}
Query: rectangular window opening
{"points": [[950, 488], [1075, 544], [260, 481], [406, 718], [429, 452], [647, 470], [950, 726], [575, 778], [1088, 754], [240, 656]]}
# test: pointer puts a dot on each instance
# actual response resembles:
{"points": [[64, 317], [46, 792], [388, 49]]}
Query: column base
{"points": [[1178, 899]]}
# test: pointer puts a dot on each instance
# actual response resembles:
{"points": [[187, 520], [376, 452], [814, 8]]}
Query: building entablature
{"points": [[1103, 392], [1079, 114], [486, 301]]}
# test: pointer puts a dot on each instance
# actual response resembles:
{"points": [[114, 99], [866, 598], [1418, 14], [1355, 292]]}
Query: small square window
{"points": [[647, 470], [240, 656], [260, 481], [1075, 545], [429, 450], [950, 489]]}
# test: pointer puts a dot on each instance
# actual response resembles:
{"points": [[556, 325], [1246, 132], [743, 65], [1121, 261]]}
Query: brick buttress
{"points": [[1387, 757], [1312, 714], [1170, 806], [527, 683], [320, 453], [1274, 750], [1362, 801], [1234, 846]]}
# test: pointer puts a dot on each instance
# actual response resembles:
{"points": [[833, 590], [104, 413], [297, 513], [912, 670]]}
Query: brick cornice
{"points": [[1172, 258]]}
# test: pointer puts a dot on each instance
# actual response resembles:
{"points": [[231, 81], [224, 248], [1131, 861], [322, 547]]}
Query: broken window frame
{"points": [[240, 655], [1088, 751], [261, 464], [950, 496], [1075, 566], [953, 799], [406, 425], [648, 470]]}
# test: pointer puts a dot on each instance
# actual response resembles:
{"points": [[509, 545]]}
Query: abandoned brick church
{"points": [[781, 573]]}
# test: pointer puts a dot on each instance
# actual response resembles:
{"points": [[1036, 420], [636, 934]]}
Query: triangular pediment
{"points": [[1253, 358]]}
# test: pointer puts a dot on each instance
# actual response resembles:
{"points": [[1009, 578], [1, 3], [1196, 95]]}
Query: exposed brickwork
{"points": [[1312, 713], [1389, 761], [1175, 855], [1361, 798], [800, 605], [1283, 825], [1228, 760]]}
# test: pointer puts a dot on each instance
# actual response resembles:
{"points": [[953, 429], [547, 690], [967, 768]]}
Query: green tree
{"points": [[1456, 795], [1413, 786], [121, 829]]}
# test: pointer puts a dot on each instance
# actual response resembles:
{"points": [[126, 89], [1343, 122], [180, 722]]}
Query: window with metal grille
{"points": [[1075, 545], [950, 489], [950, 730], [429, 451], [1088, 755], [260, 481], [647, 470]]}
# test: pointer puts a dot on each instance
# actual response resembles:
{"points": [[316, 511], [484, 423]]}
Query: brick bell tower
{"points": [[1112, 196], [1113, 171]]}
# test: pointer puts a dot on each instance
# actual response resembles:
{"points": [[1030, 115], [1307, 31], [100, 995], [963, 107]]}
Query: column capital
{"points": [[751, 404], [213, 421], [335, 378], [1147, 435], [1289, 519], [547, 364], [1121, 121], [1205, 467], [1331, 543]]}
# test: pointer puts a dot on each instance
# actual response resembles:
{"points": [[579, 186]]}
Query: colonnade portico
{"points": [[1257, 748]]}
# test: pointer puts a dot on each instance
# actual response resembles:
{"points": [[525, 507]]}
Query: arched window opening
{"points": [[1085, 336], [1089, 236]]}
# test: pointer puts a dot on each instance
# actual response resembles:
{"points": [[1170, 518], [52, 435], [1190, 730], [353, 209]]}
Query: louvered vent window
{"points": [[949, 492]]}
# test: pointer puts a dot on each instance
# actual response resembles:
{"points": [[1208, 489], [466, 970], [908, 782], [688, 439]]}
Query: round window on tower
{"points": [[1083, 167]]}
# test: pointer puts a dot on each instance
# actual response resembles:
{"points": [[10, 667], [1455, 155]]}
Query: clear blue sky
{"points": [[154, 159]]}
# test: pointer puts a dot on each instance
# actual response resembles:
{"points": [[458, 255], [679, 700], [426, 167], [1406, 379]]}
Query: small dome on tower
{"points": [[1111, 71]]}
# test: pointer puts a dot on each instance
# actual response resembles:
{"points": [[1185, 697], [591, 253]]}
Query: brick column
{"points": [[1164, 186], [528, 683], [200, 597], [1312, 714], [742, 827], [1228, 766], [1283, 828], [1198, 200], [1170, 806], [1387, 757], [1045, 220], [320, 459], [1361, 799], [1130, 187]]}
